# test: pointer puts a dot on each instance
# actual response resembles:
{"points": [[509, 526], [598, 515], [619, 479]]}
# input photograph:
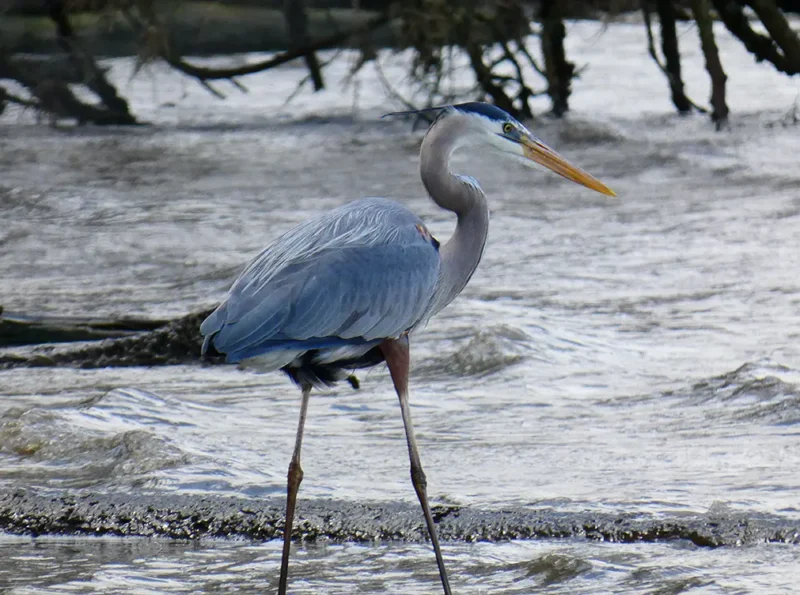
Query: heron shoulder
{"points": [[362, 223]]}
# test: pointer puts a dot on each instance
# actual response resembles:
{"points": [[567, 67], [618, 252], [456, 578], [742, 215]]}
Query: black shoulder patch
{"points": [[426, 235]]}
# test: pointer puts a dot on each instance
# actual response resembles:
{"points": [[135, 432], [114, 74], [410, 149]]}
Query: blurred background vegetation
{"points": [[51, 50]]}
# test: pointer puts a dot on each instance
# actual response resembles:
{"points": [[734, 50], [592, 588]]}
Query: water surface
{"points": [[634, 355]]}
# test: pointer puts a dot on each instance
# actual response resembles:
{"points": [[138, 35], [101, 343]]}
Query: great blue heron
{"points": [[344, 290]]}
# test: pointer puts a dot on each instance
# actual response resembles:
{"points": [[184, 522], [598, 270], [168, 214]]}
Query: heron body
{"points": [[344, 290], [320, 299]]}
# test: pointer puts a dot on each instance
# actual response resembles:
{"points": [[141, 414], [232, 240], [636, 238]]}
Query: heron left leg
{"points": [[295, 476], [398, 359]]}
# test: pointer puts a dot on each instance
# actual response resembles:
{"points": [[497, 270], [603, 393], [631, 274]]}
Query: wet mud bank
{"points": [[26, 512]]}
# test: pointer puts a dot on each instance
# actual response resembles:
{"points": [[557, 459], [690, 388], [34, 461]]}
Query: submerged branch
{"points": [[672, 57], [92, 76], [6, 97], [21, 329], [761, 46], [779, 29], [719, 114], [130, 342], [486, 80], [49, 83], [651, 49], [297, 26], [558, 69], [209, 74]]}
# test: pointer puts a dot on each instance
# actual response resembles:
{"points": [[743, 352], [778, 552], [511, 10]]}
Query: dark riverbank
{"points": [[196, 28], [26, 512]]}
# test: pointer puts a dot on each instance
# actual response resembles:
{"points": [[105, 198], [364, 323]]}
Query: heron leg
{"points": [[397, 358], [293, 484]]}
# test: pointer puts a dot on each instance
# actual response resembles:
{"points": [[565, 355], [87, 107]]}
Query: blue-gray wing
{"points": [[361, 273]]}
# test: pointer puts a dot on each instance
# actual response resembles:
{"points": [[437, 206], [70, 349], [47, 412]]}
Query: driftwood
{"points": [[21, 329], [126, 342], [148, 24]]}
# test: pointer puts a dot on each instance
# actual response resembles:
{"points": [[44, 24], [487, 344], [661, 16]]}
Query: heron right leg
{"points": [[396, 353], [293, 484]]}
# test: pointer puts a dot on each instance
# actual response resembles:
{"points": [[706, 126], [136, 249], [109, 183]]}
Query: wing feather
{"points": [[356, 275]]}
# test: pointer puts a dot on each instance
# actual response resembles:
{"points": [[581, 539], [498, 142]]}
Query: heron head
{"points": [[505, 134], [510, 137]]}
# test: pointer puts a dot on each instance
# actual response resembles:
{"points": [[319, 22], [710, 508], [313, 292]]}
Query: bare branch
{"points": [[559, 71], [679, 96], [297, 26], [651, 42], [239, 86], [308, 77], [719, 115], [393, 93], [93, 77], [5, 96], [761, 46], [524, 50], [212, 90], [778, 28], [209, 74]]}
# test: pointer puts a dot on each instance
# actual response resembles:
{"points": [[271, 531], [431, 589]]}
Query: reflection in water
{"points": [[635, 354]]}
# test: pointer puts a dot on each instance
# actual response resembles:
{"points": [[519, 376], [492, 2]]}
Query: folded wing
{"points": [[354, 276]]}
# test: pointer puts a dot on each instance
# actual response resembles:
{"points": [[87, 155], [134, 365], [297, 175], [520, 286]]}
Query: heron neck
{"points": [[461, 195]]}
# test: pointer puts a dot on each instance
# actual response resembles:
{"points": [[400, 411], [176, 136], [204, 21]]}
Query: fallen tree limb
{"points": [[761, 46], [672, 57], [701, 11], [679, 97], [19, 329], [168, 343], [49, 83], [204, 74], [297, 27], [778, 28], [93, 77], [558, 69]]}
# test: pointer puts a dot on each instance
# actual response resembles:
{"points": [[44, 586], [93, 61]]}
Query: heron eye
{"points": [[508, 128]]}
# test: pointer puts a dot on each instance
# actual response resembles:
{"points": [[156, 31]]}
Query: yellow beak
{"points": [[543, 155]]}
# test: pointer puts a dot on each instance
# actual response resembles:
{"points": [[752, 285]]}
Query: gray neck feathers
{"points": [[462, 253]]}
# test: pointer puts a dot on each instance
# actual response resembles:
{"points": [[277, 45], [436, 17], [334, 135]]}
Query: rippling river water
{"points": [[633, 355]]}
